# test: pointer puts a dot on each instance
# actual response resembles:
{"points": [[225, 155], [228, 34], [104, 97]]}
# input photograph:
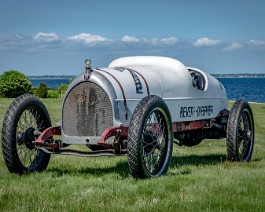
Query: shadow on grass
{"points": [[196, 160], [121, 169]]}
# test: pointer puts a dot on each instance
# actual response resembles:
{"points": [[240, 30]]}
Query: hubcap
{"points": [[27, 138]]}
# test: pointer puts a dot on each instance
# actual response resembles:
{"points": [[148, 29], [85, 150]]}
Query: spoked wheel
{"points": [[25, 119], [240, 132], [150, 139]]}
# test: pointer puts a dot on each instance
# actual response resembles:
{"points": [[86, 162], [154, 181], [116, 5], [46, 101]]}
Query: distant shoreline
{"points": [[57, 77], [48, 78], [239, 77], [51, 77]]}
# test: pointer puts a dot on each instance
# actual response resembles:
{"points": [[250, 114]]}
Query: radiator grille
{"points": [[87, 111]]}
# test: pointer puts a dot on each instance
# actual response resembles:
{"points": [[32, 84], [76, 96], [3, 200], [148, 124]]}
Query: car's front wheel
{"points": [[25, 119], [150, 138]]}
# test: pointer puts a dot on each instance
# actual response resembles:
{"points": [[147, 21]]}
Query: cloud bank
{"points": [[88, 39], [42, 37], [151, 41], [47, 40], [257, 42], [130, 39], [60, 55], [233, 46]]}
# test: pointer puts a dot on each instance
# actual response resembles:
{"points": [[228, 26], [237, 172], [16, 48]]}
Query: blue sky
{"points": [[40, 37]]}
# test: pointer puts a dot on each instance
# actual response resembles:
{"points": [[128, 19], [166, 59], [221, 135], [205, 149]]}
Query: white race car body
{"points": [[126, 81]]}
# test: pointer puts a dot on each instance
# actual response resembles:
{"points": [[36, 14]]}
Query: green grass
{"points": [[199, 179]]}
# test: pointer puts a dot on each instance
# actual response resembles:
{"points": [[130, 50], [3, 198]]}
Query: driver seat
{"points": [[197, 80]]}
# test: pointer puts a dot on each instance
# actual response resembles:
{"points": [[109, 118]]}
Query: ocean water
{"points": [[51, 83], [250, 89]]}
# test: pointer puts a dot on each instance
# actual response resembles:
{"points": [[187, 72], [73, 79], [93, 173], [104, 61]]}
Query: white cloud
{"points": [[19, 39], [42, 37], [169, 41], [130, 39], [257, 42], [233, 46], [206, 42], [15, 41], [88, 39], [151, 41], [162, 41]]}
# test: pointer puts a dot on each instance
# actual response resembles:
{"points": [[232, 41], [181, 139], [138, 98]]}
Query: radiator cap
{"points": [[88, 69]]}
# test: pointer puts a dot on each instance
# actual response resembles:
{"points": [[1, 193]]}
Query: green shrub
{"points": [[62, 89], [53, 93], [13, 83], [42, 91]]}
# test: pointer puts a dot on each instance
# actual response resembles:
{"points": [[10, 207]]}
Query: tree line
{"points": [[14, 83]]}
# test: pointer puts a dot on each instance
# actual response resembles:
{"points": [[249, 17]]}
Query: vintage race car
{"points": [[137, 106]]}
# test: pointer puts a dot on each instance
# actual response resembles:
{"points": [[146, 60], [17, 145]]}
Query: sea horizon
{"points": [[250, 89], [238, 75]]}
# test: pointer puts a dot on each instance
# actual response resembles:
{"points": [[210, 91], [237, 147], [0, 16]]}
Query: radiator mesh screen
{"points": [[87, 111]]}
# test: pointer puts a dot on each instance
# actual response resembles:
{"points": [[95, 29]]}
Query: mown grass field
{"points": [[199, 179]]}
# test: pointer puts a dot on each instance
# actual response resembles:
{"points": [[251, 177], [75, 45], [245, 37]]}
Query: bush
{"points": [[42, 91], [62, 89], [13, 83], [52, 93]]}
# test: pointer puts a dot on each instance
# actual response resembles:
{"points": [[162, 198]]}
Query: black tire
{"points": [[240, 132], [25, 118], [150, 138]]}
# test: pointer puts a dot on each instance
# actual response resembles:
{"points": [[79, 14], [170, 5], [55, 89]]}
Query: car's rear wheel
{"points": [[24, 120], [240, 132], [150, 138]]}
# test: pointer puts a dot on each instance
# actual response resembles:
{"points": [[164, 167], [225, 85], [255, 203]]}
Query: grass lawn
{"points": [[199, 179]]}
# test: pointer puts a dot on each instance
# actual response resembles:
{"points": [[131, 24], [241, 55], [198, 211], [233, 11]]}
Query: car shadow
{"points": [[182, 165], [121, 168], [196, 160]]}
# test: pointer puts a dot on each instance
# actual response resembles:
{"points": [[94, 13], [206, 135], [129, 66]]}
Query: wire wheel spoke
{"points": [[28, 123], [244, 135], [152, 160], [153, 140]]}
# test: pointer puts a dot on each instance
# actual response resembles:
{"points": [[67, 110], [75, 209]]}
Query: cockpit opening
{"points": [[198, 80]]}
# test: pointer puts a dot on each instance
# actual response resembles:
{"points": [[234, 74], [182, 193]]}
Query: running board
{"points": [[63, 151]]}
